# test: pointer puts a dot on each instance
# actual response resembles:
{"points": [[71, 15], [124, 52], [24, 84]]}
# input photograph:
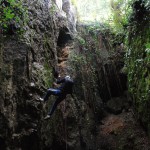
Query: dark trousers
{"points": [[60, 98]]}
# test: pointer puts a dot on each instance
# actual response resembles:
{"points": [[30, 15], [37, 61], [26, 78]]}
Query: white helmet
{"points": [[67, 77]]}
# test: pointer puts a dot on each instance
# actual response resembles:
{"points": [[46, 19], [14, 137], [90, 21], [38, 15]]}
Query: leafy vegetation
{"points": [[13, 15], [53, 9], [138, 59], [121, 10], [129, 23]]}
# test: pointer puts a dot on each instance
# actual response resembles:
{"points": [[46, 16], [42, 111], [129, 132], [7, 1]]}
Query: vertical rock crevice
{"points": [[99, 100]]}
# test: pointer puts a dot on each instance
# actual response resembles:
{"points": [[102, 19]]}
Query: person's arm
{"points": [[55, 84]]}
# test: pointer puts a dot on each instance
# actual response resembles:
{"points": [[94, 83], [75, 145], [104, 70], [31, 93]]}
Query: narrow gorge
{"points": [[109, 107]]}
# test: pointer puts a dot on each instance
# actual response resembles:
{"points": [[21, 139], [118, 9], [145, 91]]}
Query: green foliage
{"points": [[138, 59], [121, 10], [147, 50], [53, 9], [47, 76], [112, 37], [13, 12], [147, 46], [81, 40]]}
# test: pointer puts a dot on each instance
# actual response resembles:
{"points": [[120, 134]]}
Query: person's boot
{"points": [[47, 117]]}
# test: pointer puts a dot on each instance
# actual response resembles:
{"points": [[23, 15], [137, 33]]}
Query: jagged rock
{"points": [[25, 69], [71, 14], [79, 122], [116, 105]]}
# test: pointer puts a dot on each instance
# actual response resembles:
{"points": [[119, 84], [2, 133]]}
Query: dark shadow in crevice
{"points": [[2, 143], [64, 37]]}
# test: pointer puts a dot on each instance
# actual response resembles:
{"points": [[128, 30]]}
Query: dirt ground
{"points": [[122, 132]]}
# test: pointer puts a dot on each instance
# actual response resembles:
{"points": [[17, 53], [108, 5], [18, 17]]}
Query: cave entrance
{"points": [[64, 37]]}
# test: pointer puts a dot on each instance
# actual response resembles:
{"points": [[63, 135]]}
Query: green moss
{"points": [[47, 77], [138, 60], [13, 12]]}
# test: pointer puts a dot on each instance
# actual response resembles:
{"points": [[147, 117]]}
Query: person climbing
{"points": [[65, 88]]}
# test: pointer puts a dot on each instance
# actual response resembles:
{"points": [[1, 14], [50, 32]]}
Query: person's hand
{"points": [[54, 84]]}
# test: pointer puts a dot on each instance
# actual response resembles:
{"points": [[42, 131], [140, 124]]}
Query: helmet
{"points": [[67, 77]]}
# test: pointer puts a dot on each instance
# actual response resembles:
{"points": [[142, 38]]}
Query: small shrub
{"points": [[14, 16]]}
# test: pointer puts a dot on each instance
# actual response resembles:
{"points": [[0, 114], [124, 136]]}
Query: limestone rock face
{"points": [[71, 14], [59, 4], [97, 116], [25, 72], [102, 114]]}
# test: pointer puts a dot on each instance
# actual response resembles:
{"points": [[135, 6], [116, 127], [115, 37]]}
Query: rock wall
{"points": [[81, 121], [26, 66], [99, 87], [100, 115], [71, 12], [138, 62]]}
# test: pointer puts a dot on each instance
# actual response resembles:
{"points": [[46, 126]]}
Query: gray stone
{"points": [[116, 105]]}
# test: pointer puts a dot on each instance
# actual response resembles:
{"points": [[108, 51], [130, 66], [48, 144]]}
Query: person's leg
{"points": [[51, 91], [58, 100]]}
